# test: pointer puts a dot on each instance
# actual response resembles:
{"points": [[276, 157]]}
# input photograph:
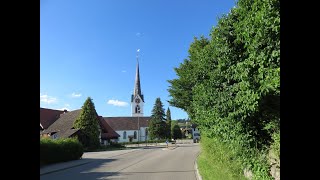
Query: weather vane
{"points": [[138, 50]]}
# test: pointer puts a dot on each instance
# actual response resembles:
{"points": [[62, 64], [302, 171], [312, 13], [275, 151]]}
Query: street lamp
{"points": [[138, 130]]}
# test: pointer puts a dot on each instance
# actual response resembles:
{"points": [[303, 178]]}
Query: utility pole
{"points": [[138, 130]]}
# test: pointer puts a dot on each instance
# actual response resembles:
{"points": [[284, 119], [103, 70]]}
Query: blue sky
{"points": [[88, 48]]}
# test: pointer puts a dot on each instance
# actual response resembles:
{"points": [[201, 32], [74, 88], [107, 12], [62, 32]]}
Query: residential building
{"points": [[48, 116], [63, 128]]}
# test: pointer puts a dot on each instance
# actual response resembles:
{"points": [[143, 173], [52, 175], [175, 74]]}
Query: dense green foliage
{"points": [[168, 124], [157, 124], [214, 161], [230, 84], [88, 123], [176, 132], [59, 150]]}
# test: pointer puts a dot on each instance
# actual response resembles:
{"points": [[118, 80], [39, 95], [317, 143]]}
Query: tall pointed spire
{"points": [[137, 86]]}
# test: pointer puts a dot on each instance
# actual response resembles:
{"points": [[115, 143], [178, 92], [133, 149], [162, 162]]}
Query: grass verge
{"points": [[216, 162]]}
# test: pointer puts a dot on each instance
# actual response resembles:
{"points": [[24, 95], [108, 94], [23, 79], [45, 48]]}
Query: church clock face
{"points": [[137, 100]]}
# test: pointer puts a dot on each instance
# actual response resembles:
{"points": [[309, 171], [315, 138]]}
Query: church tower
{"points": [[137, 100]]}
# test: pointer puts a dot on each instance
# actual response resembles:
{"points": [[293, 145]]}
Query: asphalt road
{"points": [[142, 164]]}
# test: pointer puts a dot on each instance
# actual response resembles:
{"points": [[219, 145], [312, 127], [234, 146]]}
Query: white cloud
{"points": [[74, 95], [47, 99], [117, 103], [138, 34], [123, 71]]}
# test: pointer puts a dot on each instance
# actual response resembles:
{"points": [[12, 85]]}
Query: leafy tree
{"points": [[168, 123], [176, 132], [88, 123], [230, 84], [173, 123], [157, 125], [180, 89]]}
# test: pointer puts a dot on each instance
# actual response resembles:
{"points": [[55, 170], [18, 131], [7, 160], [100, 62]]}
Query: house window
{"points": [[135, 135], [137, 109], [124, 135], [54, 136]]}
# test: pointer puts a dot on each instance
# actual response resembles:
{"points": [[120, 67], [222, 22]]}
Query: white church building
{"points": [[132, 128]]}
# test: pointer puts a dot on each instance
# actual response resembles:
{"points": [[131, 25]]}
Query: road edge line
{"points": [[198, 176]]}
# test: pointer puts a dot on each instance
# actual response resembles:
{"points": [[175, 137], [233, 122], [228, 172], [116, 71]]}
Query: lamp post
{"points": [[138, 130]]}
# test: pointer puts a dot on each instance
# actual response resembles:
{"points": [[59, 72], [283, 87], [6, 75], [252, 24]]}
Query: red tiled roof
{"points": [[126, 123], [48, 116]]}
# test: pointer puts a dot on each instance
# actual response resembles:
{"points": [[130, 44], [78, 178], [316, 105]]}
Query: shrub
{"points": [[60, 150]]}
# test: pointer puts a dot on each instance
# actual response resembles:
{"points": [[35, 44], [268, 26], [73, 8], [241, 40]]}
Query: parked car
{"points": [[196, 137]]}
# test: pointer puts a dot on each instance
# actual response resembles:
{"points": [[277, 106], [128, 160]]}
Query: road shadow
{"points": [[82, 171]]}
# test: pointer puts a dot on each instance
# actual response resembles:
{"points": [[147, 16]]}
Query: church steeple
{"points": [[137, 100], [137, 86]]}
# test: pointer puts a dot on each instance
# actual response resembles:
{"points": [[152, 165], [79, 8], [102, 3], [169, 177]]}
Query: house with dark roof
{"points": [[48, 116], [63, 128], [130, 129]]}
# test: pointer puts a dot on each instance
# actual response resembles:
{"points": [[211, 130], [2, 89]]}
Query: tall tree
{"points": [[168, 123], [88, 123], [230, 86], [157, 123], [189, 74], [176, 132]]}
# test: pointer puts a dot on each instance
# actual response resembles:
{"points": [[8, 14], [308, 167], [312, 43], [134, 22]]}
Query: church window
{"points": [[137, 109], [135, 135], [124, 135]]}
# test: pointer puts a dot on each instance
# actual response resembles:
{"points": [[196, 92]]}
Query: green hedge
{"points": [[230, 87], [60, 150]]}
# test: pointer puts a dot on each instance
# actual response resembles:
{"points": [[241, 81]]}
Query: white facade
{"points": [[130, 133], [137, 106]]}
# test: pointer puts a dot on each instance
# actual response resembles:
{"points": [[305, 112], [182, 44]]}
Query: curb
{"points": [[198, 176]]}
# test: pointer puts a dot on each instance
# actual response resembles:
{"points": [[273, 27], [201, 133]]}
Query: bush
{"points": [[60, 150]]}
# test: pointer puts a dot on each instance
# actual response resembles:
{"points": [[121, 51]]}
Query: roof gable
{"points": [[64, 124], [107, 131], [126, 123], [48, 116]]}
